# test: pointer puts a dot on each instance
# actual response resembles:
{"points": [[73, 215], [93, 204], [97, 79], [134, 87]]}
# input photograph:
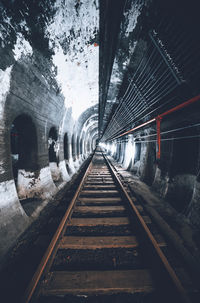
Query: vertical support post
{"points": [[158, 121]]}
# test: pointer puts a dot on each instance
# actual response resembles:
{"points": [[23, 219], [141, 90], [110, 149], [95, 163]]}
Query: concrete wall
{"points": [[49, 88], [25, 92], [175, 177]]}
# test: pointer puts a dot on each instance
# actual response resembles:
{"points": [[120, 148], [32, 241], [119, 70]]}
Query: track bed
{"points": [[106, 249]]}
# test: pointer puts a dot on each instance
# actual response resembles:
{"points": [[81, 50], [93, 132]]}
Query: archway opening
{"points": [[78, 146], [137, 156], [137, 152], [52, 140], [185, 154], [23, 140], [66, 147], [67, 153], [88, 146], [81, 146], [150, 163], [73, 148], [119, 150], [53, 155], [129, 153], [183, 169], [24, 155]]}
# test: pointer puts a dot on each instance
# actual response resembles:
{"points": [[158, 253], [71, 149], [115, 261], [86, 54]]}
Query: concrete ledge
{"points": [[55, 172], [13, 219], [180, 236], [64, 173], [29, 185]]}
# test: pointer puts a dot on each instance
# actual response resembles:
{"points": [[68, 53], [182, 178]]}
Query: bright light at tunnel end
{"points": [[102, 145], [109, 147]]}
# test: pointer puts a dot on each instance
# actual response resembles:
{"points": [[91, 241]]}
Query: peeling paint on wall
{"points": [[29, 186], [22, 47], [72, 35], [5, 29], [13, 219], [64, 174], [8, 194], [132, 16], [5, 77], [2, 171]]}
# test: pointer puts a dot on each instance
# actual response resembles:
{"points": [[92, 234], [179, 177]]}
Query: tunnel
{"points": [[111, 81]]}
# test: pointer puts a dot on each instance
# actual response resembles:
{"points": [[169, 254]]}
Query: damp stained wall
{"points": [[49, 79]]}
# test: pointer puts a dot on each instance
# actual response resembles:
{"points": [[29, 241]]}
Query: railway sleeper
{"points": [[99, 211], [100, 256]]}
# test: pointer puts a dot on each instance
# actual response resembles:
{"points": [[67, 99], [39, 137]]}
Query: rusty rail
{"points": [[41, 267], [169, 273], [161, 260]]}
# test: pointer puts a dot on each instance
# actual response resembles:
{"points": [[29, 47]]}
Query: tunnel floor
{"points": [[32, 245], [23, 259], [176, 220]]}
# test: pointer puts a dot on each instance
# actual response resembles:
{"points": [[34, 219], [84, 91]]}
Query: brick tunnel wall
{"points": [[27, 95]]}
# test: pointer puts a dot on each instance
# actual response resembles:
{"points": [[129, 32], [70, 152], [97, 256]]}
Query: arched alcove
{"points": [[129, 153], [123, 151], [148, 151], [137, 156], [23, 140], [94, 142], [78, 146], [24, 155], [118, 150], [52, 140], [81, 146], [66, 147], [73, 148], [53, 155], [121, 155], [137, 152], [183, 169], [185, 153], [88, 146]]}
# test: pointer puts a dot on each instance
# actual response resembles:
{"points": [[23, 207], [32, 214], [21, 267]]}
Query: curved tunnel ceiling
{"points": [[66, 34], [92, 129], [86, 118], [88, 128], [72, 35], [89, 124]]}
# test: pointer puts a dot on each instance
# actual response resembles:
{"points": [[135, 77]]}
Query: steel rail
{"points": [[168, 271], [41, 267]]}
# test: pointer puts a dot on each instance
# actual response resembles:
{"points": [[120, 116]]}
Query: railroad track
{"points": [[105, 249]]}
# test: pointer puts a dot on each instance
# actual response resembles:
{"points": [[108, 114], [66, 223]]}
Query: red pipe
{"points": [[172, 110], [182, 105], [139, 126]]}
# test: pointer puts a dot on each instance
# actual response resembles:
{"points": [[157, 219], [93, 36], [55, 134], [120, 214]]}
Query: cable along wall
{"points": [[167, 64]]}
